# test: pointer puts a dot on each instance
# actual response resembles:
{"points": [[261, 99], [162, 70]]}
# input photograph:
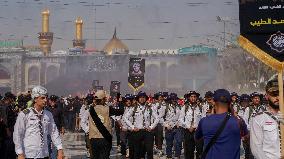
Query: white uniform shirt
{"points": [[248, 114], [27, 134], [171, 116], [190, 117], [84, 116], [241, 112], [264, 137], [141, 118], [160, 109], [123, 123]]}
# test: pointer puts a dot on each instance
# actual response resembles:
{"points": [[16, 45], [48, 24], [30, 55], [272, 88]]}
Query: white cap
{"points": [[100, 94], [38, 91]]}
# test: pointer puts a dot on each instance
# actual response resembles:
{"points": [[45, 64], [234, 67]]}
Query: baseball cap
{"points": [[39, 91], [100, 94], [222, 95], [272, 87]]}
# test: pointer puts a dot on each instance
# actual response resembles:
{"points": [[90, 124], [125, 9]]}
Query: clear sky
{"points": [[141, 24]]}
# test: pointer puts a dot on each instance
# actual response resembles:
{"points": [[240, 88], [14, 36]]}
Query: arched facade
{"points": [[33, 75], [52, 72], [4, 73]]}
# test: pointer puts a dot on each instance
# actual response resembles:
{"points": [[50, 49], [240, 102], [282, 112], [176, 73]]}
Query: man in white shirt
{"points": [[265, 126], [190, 115], [32, 127]]}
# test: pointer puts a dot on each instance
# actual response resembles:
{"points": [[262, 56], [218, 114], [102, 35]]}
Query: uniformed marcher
{"points": [[32, 127], [190, 115], [235, 104], [100, 125], [124, 129], [254, 108], [265, 126], [207, 106], [84, 122], [159, 107], [173, 133], [144, 122], [57, 113], [241, 109]]}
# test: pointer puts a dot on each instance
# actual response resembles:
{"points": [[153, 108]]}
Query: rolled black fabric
{"points": [[103, 130]]}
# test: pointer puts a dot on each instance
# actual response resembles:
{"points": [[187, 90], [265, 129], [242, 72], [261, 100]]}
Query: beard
{"points": [[273, 105]]}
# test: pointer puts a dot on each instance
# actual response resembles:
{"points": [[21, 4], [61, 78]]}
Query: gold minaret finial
{"points": [[45, 20], [79, 23], [45, 37], [79, 42]]}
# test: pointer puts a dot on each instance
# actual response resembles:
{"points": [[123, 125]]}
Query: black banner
{"points": [[136, 73], [95, 83], [99, 88], [114, 88], [262, 29]]}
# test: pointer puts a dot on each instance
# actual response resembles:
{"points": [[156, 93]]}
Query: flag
{"points": [[114, 88], [262, 30], [136, 73]]}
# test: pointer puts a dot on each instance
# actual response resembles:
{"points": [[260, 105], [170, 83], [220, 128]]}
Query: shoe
{"points": [[118, 148], [88, 154], [160, 153], [127, 153]]}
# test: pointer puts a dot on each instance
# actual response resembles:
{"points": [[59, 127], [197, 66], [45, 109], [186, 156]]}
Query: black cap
{"points": [[192, 93], [209, 94], [244, 98], [222, 95], [142, 94], [53, 98], [255, 94]]}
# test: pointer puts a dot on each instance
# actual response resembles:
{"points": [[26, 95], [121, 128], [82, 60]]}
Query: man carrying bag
{"points": [[221, 131], [100, 125]]}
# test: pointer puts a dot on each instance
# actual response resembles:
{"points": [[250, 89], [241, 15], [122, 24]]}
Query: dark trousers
{"points": [[88, 145], [39, 158], [158, 133], [123, 141], [71, 121], [172, 135], [117, 133], [100, 148], [190, 145], [248, 154], [142, 142]]}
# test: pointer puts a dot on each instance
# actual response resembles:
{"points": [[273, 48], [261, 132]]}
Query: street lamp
{"points": [[224, 20]]}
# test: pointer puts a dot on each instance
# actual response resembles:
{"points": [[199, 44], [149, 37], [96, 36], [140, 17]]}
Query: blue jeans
{"points": [[51, 148], [172, 135]]}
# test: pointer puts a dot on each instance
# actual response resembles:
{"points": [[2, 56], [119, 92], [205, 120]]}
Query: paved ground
{"points": [[74, 147]]}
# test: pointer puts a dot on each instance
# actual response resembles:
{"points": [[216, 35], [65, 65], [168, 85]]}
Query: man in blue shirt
{"points": [[227, 145]]}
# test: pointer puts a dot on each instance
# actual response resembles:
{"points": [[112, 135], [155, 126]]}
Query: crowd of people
{"points": [[216, 126]]}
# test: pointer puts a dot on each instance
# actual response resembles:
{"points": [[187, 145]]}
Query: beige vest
{"points": [[103, 113]]}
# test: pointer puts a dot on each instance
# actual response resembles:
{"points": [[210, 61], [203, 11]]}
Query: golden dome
{"points": [[115, 46]]}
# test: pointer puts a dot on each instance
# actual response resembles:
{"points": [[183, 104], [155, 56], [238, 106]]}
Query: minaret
{"points": [[78, 42], [45, 37]]}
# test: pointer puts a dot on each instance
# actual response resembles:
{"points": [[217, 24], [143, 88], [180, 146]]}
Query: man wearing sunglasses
{"points": [[32, 127], [265, 126]]}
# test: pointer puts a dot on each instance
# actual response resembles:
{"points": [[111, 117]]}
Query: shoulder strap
{"points": [[134, 111], [272, 116], [100, 126], [215, 137]]}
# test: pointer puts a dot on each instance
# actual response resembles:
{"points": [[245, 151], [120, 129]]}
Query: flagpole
{"points": [[281, 106]]}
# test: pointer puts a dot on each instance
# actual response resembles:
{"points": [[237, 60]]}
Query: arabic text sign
{"points": [[262, 26]]}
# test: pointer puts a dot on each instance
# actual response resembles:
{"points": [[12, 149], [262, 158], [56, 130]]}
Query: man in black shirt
{"points": [[57, 111]]}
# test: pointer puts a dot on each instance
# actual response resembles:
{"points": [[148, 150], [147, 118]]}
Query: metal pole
{"points": [[224, 34], [281, 102]]}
